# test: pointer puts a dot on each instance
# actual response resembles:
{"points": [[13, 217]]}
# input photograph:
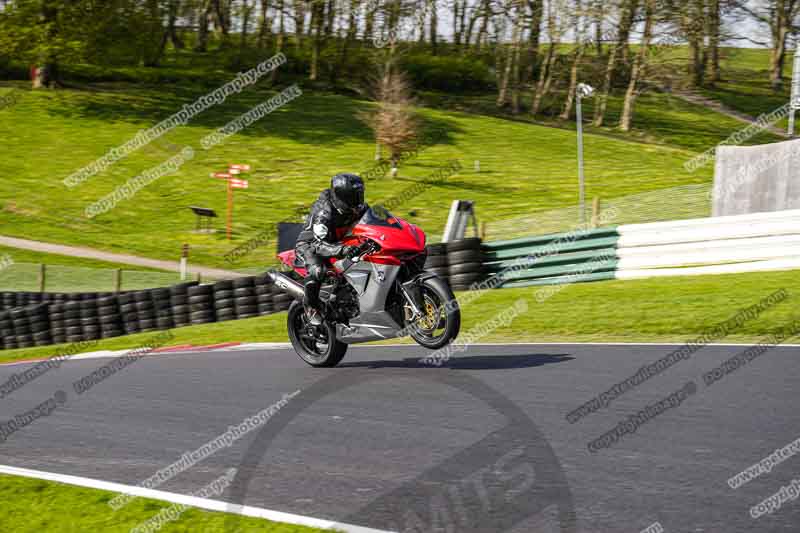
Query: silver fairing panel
{"points": [[373, 283]]}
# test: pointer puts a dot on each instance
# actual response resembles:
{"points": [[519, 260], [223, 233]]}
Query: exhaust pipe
{"points": [[287, 284]]}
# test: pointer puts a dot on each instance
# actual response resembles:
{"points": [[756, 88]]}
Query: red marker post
{"points": [[232, 183]]}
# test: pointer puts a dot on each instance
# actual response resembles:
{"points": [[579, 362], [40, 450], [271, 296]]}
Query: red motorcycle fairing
{"points": [[398, 239]]}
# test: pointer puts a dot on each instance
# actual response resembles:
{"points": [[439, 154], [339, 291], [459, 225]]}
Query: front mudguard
{"points": [[412, 288]]}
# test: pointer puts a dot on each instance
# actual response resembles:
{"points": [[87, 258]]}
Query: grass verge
{"points": [[75, 274], [33, 506]]}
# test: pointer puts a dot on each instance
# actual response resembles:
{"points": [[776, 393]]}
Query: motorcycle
{"points": [[380, 291]]}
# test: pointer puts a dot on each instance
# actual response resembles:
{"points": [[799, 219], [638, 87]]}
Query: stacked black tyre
{"points": [[7, 340], [162, 307], [281, 301], [465, 263], [58, 325], [244, 295], [90, 319], [22, 327], [437, 260], [73, 330], [39, 322], [145, 310], [110, 317], [224, 304], [264, 294], [179, 301], [128, 314], [201, 304], [8, 300]]}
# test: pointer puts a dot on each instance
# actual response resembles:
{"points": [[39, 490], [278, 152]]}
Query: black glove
{"points": [[348, 251]]}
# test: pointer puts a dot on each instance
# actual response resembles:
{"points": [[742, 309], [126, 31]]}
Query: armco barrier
{"points": [[582, 255], [755, 242], [742, 243]]}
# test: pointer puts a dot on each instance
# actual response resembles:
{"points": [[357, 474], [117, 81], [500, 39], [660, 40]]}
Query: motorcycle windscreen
{"points": [[377, 215]]}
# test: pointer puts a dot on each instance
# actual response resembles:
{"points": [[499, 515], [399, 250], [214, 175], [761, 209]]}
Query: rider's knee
{"points": [[316, 273]]}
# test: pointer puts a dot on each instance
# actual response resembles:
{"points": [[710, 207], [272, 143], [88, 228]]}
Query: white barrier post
{"points": [[184, 261]]}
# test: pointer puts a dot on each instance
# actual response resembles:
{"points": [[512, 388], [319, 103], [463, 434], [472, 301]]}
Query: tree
{"points": [[44, 33], [693, 23], [514, 14], [264, 24], [434, 27], [637, 69], [579, 24], [317, 23], [627, 17], [394, 124], [714, 30], [535, 13], [780, 17], [203, 21], [555, 30]]}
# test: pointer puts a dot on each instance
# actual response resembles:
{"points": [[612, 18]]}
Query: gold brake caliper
{"points": [[428, 321]]}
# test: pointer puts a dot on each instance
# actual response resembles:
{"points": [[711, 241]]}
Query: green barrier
{"points": [[552, 248], [561, 280], [562, 270], [557, 259], [542, 240], [577, 256]]}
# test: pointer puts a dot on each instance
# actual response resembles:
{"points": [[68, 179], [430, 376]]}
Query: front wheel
{"points": [[441, 319], [316, 345]]}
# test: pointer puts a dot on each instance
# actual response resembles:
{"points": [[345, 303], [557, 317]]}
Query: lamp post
{"points": [[793, 103], [582, 91]]}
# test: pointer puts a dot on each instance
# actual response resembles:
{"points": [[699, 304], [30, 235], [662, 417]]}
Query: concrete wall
{"points": [[756, 179]]}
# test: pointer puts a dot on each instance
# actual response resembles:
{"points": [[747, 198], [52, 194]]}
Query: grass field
{"points": [[745, 84], [660, 119], [33, 506], [654, 310], [524, 167], [74, 274]]}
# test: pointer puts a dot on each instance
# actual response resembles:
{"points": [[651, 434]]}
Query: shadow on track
{"points": [[475, 362]]}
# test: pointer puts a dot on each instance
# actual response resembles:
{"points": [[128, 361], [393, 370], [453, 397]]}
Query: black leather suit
{"points": [[319, 240]]}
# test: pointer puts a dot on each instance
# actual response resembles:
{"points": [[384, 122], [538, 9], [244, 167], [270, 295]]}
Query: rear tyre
{"points": [[317, 346], [442, 320]]}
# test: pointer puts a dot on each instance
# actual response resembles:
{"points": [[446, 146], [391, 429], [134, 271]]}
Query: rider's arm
{"points": [[325, 243]]}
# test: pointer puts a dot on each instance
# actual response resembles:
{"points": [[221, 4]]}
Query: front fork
{"points": [[413, 295]]}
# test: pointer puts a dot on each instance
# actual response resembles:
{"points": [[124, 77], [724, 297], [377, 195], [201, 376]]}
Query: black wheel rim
{"points": [[314, 340]]}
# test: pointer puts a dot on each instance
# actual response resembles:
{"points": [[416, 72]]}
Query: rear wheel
{"points": [[441, 319], [316, 345]]}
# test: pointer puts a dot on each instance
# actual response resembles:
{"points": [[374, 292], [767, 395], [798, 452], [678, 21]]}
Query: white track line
{"points": [[201, 503]]}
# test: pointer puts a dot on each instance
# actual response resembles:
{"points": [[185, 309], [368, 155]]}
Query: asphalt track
{"points": [[339, 456]]}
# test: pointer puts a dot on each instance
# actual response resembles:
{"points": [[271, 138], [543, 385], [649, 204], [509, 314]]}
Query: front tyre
{"points": [[441, 320], [316, 345]]}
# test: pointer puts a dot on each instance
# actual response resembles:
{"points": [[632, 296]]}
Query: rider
{"points": [[336, 210]]}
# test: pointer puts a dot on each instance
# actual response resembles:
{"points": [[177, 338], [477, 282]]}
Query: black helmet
{"points": [[348, 193]]}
